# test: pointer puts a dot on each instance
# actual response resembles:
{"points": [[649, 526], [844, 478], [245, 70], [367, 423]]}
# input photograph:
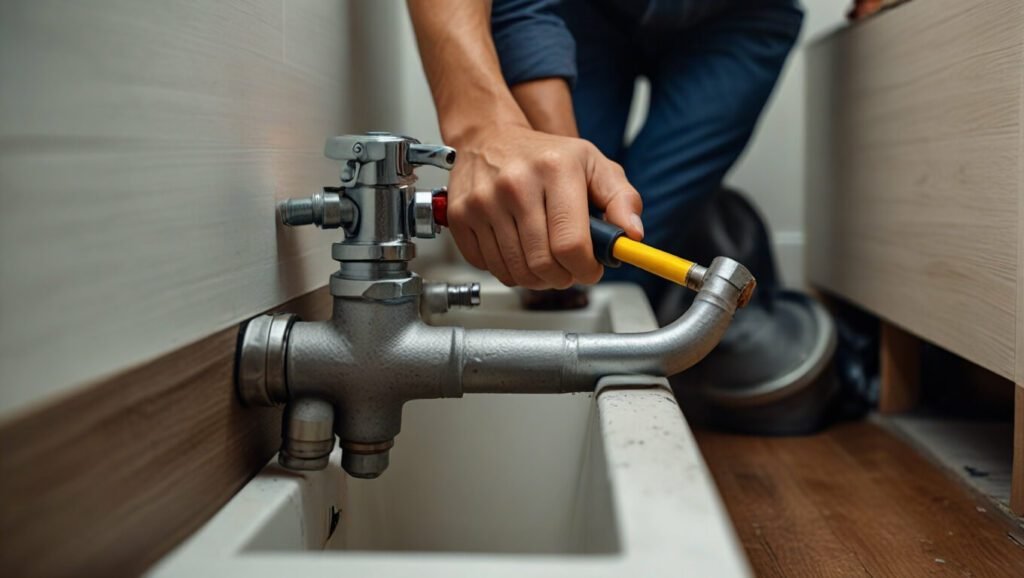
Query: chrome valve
{"points": [[380, 212]]}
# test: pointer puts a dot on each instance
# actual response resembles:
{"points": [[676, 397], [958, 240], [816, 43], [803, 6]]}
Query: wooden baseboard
{"points": [[107, 480]]}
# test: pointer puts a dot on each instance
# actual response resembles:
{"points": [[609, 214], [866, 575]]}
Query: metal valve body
{"points": [[350, 376]]}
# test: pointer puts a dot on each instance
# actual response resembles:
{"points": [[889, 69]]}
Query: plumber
{"points": [[535, 95]]}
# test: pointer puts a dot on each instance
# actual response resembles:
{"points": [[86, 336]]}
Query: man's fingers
{"points": [[507, 237], [492, 255], [569, 223], [465, 240], [460, 222], [533, 234], [612, 193]]}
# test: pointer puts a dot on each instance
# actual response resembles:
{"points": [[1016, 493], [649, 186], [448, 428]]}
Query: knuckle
{"points": [[512, 177], [473, 206], [517, 268], [551, 160], [457, 212], [522, 275], [541, 261], [514, 193], [588, 148], [560, 223], [506, 182], [543, 264], [627, 198], [569, 246]]}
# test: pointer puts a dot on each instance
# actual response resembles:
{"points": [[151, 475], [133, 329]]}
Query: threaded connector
{"points": [[440, 297], [464, 295], [327, 210]]}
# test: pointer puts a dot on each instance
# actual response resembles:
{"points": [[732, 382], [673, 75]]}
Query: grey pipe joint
{"points": [[373, 356]]}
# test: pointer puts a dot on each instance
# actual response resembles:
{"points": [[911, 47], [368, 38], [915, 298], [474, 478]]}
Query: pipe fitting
{"points": [[307, 436], [373, 356], [327, 210], [260, 366], [366, 461], [441, 297]]}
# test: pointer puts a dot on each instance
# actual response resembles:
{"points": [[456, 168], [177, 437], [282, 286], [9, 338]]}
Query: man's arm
{"points": [[518, 198], [547, 103]]}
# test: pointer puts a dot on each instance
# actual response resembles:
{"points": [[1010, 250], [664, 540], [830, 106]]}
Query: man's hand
{"points": [[518, 205], [517, 198]]}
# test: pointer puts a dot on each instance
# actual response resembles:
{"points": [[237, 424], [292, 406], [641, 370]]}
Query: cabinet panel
{"points": [[915, 171]]}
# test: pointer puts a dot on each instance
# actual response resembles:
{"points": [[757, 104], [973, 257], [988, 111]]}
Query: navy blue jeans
{"points": [[711, 68]]}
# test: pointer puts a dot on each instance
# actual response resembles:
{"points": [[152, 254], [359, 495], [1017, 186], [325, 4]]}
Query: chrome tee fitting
{"points": [[351, 375]]}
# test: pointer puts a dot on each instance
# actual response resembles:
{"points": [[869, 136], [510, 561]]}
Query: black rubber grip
{"points": [[604, 235]]}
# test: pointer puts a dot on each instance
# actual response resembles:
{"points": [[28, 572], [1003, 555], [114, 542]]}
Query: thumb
{"points": [[611, 192]]}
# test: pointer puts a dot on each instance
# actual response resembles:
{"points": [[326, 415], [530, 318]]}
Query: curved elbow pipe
{"points": [[679, 345], [555, 362]]}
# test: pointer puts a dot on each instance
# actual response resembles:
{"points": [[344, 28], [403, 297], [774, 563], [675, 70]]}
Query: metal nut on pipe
{"points": [[421, 220], [260, 365]]}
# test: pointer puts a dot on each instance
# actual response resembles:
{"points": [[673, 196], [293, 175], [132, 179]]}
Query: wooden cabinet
{"points": [[915, 176]]}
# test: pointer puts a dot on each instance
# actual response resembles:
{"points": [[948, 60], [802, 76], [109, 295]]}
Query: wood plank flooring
{"points": [[856, 501]]}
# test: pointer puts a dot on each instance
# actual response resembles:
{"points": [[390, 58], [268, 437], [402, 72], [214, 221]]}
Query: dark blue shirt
{"points": [[533, 41]]}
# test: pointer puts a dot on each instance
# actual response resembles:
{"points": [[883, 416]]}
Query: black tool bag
{"points": [[774, 371]]}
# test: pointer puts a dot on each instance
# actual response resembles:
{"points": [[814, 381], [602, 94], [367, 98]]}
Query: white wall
{"points": [[142, 148], [772, 169]]}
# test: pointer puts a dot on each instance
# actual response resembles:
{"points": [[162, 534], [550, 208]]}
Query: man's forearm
{"points": [[462, 67], [518, 198], [547, 103]]}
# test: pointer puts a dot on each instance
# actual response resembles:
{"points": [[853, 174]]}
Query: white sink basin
{"points": [[496, 485]]}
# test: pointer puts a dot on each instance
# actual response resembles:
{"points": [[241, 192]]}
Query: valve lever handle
{"points": [[439, 156]]}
